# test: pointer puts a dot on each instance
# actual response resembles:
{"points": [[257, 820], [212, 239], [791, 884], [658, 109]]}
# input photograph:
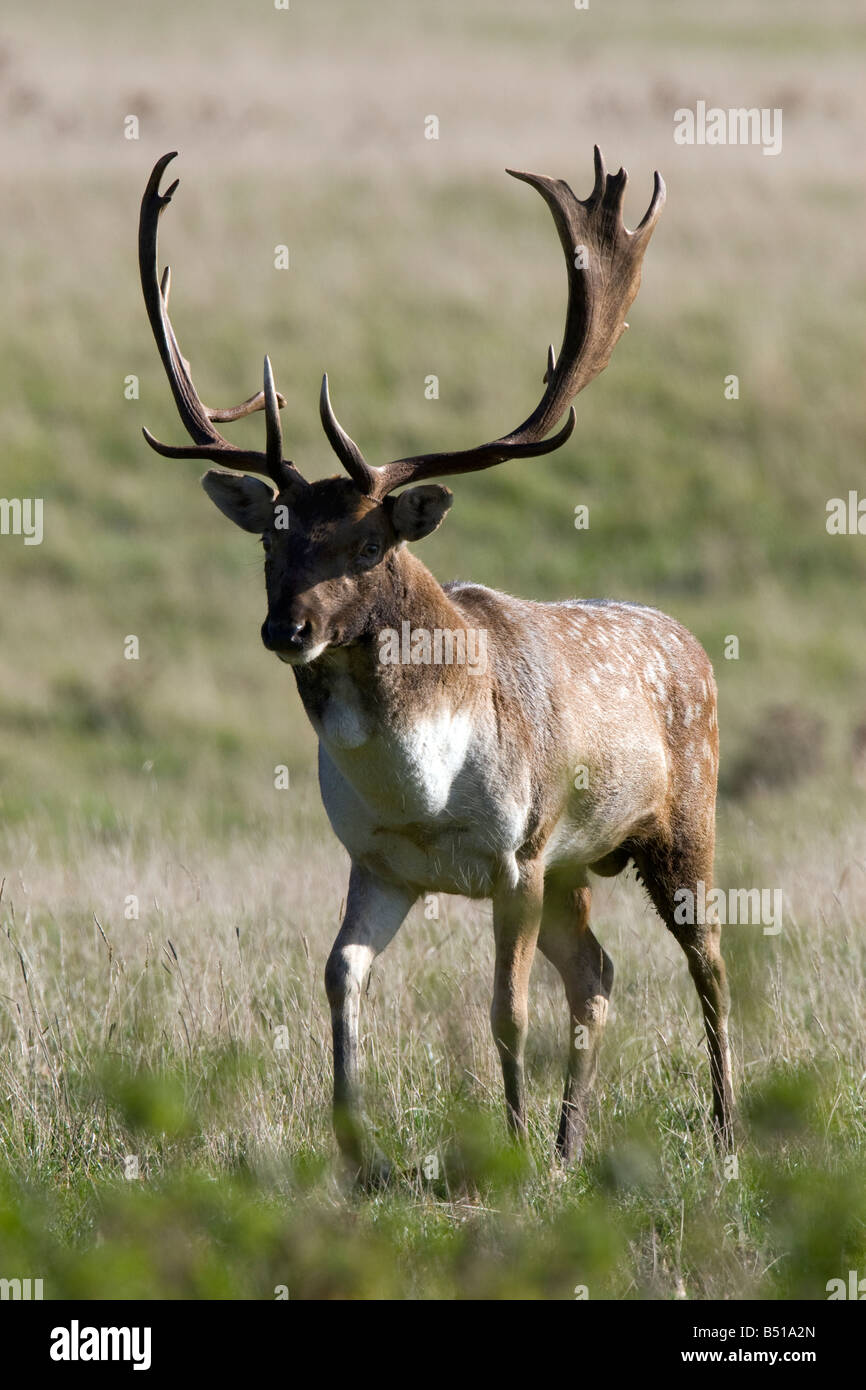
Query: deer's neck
{"points": [[416, 653]]}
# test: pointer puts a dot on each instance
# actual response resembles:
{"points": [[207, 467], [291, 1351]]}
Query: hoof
{"points": [[376, 1173]]}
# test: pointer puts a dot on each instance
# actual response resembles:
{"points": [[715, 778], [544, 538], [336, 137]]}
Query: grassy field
{"points": [[165, 1077]]}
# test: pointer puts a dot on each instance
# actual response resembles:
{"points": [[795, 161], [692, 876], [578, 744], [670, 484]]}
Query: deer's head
{"points": [[328, 544], [326, 552]]}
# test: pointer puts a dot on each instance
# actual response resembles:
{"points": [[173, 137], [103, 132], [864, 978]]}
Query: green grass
{"points": [[154, 1037], [194, 1040]]}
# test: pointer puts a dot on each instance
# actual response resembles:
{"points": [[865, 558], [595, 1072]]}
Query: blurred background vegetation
{"points": [[158, 1038]]}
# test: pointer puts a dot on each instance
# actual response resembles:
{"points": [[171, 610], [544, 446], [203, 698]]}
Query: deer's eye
{"points": [[370, 551]]}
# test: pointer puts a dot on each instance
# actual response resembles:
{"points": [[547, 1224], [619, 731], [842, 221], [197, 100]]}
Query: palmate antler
{"points": [[197, 418], [604, 266]]}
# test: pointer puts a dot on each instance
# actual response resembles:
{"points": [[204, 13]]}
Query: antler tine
{"points": [[647, 223], [595, 196], [197, 418], [603, 261], [347, 451], [273, 428]]}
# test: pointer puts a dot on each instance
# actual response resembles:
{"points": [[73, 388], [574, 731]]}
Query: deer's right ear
{"points": [[247, 502]]}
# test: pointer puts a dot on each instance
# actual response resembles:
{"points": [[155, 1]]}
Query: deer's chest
{"points": [[418, 803]]}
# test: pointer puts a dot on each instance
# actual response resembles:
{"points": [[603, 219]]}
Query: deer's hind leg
{"points": [[669, 865], [516, 917], [587, 973]]}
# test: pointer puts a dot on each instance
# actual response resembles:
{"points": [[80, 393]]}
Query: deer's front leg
{"points": [[516, 920], [374, 912]]}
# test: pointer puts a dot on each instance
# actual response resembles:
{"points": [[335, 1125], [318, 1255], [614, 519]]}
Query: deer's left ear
{"points": [[247, 502], [419, 510]]}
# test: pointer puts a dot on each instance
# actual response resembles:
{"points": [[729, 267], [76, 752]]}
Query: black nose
{"points": [[279, 635]]}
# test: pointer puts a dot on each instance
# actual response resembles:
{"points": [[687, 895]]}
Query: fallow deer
{"points": [[443, 778]]}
